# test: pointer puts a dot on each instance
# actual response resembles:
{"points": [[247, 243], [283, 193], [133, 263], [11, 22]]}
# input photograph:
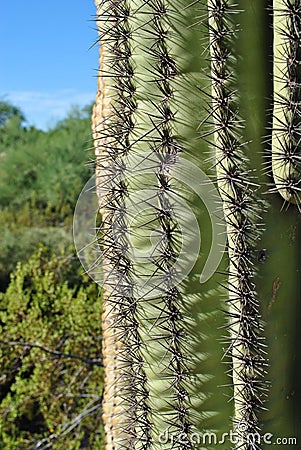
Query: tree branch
{"points": [[58, 354]]}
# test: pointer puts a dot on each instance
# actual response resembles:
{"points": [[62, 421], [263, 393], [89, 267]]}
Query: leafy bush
{"points": [[50, 350], [18, 243]]}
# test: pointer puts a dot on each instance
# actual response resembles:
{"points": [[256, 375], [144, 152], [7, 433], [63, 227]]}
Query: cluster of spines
{"points": [[170, 324], [286, 132], [240, 207], [131, 422]]}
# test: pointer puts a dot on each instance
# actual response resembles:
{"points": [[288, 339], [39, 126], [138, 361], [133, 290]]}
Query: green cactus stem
{"points": [[165, 148], [241, 214], [153, 340], [125, 408], [286, 133]]}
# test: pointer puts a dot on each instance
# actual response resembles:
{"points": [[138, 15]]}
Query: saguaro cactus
{"points": [[241, 207], [112, 123], [286, 120], [169, 96]]}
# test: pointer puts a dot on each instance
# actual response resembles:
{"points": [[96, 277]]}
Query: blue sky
{"points": [[45, 62]]}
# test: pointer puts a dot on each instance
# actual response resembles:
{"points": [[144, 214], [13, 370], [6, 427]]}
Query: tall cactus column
{"points": [[166, 296], [124, 380], [151, 99], [147, 379], [241, 214], [149, 72]]}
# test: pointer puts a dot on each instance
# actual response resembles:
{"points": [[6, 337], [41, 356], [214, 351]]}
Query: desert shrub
{"points": [[50, 352]]}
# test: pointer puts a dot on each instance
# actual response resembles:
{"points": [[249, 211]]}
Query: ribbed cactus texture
{"points": [[287, 96], [149, 70], [241, 210], [125, 408], [176, 81]]}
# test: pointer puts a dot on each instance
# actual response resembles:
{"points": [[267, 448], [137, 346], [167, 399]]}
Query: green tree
{"points": [[41, 175], [9, 112]]}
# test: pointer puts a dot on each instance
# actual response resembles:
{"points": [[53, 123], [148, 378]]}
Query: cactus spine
{"points": [[167, 330], [101, 112], [287, 96], [125, 408], [239, 202]]}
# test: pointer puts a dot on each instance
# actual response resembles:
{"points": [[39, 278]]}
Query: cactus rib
{"points": [[166, 149], [125, 408], [240, 210], [286, 132]]}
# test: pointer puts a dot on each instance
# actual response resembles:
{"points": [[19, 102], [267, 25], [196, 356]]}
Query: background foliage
{"points": [[50, 315], [41, 176]]}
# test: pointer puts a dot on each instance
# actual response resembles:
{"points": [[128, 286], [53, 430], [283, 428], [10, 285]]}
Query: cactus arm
{"points": [[237, 193], [287, 96], [277, 282]]}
